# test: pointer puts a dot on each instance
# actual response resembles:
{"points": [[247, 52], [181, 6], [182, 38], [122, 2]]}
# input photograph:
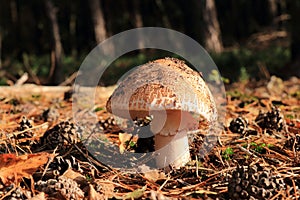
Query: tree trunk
{"points": [[98, 20], [212, 32], [138, 22], [0, 48], [294, 11], [57, 76], [273, 8], [165, 19], [278, 13], [16, 33], [99, 24], [72, 28]]}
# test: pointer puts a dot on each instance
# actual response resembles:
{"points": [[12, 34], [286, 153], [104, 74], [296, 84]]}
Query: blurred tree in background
{"points": [[212, 32], [55, 74], [48, 39], [294, 8]]}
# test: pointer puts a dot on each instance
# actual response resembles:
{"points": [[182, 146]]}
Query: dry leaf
{"points": [[77, 177], [107, 188], [202, 192], [138, 193], [93, 195], [154, 175], [123, 138], [40, 196], [13, 168], [157, 195]]}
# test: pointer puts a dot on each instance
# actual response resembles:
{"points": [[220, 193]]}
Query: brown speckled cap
{"points": [[164, 84]]}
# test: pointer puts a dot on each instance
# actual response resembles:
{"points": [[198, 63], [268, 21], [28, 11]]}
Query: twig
{"points": [[247, 151], [52, 66], [27, 67], [264, 70], [222, 171], [70, 79], [295, 189], [49, 161], [92, 160], [277, 195], [164, 183], [9, 192], [197, 166], [28, 129], [22, 79], [278, 154]]}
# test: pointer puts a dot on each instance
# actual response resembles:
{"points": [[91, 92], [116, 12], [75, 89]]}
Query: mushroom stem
{"points": [[172, 150], [171, 141]]}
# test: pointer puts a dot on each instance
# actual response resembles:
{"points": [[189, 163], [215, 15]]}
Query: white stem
{"points": [[172, 150], [171, 142]]}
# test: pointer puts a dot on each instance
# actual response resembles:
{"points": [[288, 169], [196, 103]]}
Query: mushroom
{"points": [[175, 96]]}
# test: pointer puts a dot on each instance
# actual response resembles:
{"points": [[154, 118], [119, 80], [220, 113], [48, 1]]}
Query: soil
{"points": [[256, 155]]}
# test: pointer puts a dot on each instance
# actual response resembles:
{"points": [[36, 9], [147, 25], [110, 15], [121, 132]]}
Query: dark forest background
{"points": [[48, 39]]}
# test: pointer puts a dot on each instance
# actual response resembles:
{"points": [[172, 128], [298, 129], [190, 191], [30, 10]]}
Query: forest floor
{"points": [[256, 156]]}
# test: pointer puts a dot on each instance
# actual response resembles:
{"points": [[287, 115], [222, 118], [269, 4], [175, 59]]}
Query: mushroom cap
{"points": [[163, 84]]}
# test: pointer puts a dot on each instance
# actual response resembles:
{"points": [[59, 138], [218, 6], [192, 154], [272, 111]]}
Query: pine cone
{"points": [[251, 183], [64, 133], [238, 125], [139, 122], [24, 137], [68, 189], [50, 115], [25, 124], [293, 142], [63, 188], [272, 120], [16, 194], [61, 164], [107, 124]]}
